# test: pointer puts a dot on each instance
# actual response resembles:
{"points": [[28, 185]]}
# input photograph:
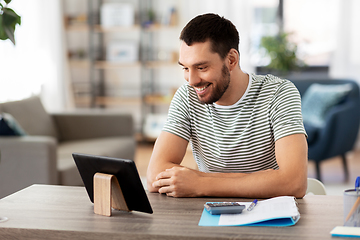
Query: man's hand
{"points": [[179, 182], [169, 151]]}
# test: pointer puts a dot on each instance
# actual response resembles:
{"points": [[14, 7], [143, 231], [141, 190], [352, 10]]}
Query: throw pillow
{"points": [[9, 126], [319, 98]]}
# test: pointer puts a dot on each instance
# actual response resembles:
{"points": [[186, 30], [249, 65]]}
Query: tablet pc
{"points": [[124, 170]]}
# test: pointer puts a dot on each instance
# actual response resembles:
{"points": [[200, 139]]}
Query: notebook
{"points": [[278, 211], [342, 231]]}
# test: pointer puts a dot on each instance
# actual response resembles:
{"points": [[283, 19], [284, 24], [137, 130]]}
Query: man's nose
{"points": [[194, 78]]}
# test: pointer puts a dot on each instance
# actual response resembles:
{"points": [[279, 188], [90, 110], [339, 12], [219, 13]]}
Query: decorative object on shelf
{"points": [[154, 124], [282, 53], [79, 53], [122, 51], [117, 14], [173, 18], [79, 19], [8, 21]]}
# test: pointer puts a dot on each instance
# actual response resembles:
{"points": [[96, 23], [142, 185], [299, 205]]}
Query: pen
{"points": [[252, 205], [357, 203]]}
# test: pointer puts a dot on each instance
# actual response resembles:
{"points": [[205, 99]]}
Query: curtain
{"points": [[36, 64], [346, 58]]}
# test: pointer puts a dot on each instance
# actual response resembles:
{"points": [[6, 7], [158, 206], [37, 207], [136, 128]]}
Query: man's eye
{"points": [[201, 68]]}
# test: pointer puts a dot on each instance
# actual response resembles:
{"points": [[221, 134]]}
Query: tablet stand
{"points": [[107, 194]]}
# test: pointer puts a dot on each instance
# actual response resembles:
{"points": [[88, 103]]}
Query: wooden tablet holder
{"points": [[107, 194]]}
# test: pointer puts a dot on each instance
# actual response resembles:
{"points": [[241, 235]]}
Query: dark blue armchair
{"points": [[339, 131]]}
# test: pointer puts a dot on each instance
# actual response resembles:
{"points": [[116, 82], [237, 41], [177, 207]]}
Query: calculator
{"points": [[224, 208]]}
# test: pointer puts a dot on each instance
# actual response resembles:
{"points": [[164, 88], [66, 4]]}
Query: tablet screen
{"points": [[125, 172]]}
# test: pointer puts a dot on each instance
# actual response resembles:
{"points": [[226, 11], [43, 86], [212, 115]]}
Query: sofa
{"points": [[42, 154]]}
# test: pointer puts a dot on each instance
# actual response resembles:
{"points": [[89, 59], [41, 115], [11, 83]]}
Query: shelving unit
{"points": [[131, 86]]}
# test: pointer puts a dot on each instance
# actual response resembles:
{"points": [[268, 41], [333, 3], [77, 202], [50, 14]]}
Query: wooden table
{"points": [[59, 212]]}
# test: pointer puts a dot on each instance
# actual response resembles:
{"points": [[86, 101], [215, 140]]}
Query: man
{"points": [[246, 131]]}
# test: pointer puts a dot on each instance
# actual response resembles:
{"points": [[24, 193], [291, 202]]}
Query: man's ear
{"points": [[233, 58]]}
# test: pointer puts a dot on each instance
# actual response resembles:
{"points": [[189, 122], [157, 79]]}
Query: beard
{"points": [[220, 88]]}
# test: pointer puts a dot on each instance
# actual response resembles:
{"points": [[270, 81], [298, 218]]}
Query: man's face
{"points": [[205, 71]]}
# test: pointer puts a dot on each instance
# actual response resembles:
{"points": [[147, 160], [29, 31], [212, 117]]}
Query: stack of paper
{"points": [[341, 231], [279, 211]]}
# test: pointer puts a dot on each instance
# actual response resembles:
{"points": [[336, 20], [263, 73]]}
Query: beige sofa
{"points": [[44, 154]]}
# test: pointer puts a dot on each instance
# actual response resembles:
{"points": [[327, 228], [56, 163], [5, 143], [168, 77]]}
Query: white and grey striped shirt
{"points": [[240, 137]]}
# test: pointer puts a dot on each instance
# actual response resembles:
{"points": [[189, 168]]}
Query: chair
{"points": [[315, 187], [339, 132]]}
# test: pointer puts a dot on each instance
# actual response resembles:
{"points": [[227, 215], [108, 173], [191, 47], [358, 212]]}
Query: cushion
{"points": [[319, 99], [9, 126], [32, 116]]}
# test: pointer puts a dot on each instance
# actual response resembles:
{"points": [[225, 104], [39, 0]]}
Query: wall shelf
{"points": [[101, 29], [128, 86], [114, 65]]}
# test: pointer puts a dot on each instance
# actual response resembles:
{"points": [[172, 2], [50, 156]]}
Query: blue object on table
{"points": [[252, 205], [357, 183]]}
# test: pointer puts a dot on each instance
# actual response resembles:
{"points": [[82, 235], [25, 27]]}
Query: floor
{"points": [[331, 170]]}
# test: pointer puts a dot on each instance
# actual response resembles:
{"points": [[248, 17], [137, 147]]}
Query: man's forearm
{"points": [[168, 152], [185, 182], [264, 184]]}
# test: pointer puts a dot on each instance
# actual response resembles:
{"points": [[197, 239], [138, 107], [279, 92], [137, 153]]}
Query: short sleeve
{"points": [[285, 111], [178, 120]]}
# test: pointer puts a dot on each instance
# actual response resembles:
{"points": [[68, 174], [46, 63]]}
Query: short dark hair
{"points": [[220, 31]]}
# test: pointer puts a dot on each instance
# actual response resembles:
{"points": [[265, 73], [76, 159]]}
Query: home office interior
{"points": [[98, 77]]}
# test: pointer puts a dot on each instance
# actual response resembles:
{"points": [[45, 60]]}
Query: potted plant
{"points": [[8, 21], [282, 53]]}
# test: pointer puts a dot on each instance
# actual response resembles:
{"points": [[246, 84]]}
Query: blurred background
{"points": [[70, 54], [121, 55]]}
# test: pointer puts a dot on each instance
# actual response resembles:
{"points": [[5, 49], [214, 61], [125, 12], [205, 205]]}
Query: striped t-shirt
{"points": [[240, 137]]}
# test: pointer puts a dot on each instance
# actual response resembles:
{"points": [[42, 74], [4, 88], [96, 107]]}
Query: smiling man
{"points": [[245, 130]]}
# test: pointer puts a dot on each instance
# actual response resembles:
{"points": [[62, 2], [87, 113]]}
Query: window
{"points": [[311, 24]]}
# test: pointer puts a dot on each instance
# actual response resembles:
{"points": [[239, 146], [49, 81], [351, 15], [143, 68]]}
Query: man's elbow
{"points": [[300, 193], [299, 188]]}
